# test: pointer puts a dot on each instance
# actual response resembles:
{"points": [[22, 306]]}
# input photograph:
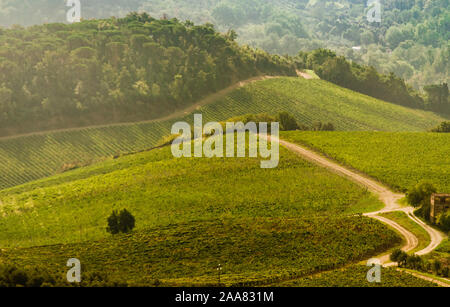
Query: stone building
{"points": [[439, 203]]}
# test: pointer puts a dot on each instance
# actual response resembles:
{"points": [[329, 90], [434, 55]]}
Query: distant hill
{"points": [[411, 40], [27, 158], [135, 68]]}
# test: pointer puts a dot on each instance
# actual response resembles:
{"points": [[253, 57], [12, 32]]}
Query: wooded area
{"points": [[127, 69]]}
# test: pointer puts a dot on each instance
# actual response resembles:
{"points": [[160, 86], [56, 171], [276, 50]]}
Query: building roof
{"points": [[440, 194]]}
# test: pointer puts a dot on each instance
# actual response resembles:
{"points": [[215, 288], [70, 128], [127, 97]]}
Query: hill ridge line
{"points": [[202, 102]]}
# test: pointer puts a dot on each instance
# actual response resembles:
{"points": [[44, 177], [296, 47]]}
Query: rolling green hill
{"points": [[27, 158], [262, 225], [400, 159], [162, 190]]}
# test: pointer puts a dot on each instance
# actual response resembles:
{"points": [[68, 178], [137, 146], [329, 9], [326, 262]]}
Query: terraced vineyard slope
{"points": [[31, 157], [399, 159]]}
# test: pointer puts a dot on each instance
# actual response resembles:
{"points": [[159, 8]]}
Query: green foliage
{"points": [[120, 222], [365, 79], [398, 159], [444, 127], [420, 194], [444, 221], [12, 276], [398, 256], [253, 250], [411, 41], [27, 158], [438, 99], [356, 276], [117, 70], [40, 274], [319, 126], [287, 121], [421, 263]]}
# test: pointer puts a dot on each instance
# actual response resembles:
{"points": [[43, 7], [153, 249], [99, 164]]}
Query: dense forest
{"points": [[366, 79], [412, 39], [127, 69]]}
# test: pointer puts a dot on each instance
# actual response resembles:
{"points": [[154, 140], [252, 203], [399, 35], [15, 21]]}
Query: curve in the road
{"points": [[388, 197]]}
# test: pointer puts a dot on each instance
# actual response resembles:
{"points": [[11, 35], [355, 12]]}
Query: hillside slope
{"points": [[31, 157], [400, 160], [191, 214]]}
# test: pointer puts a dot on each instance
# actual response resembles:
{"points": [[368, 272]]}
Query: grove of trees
{"points": [[412, 39], [365, 79], [114, 70]]}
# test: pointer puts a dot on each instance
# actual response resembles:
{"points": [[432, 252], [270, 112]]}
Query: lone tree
{"points": [[287, 122], [120, 222], [419, 196]]}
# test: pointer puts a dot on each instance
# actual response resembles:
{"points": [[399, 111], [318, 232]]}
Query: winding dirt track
{"points": [[389, 198], [191, 108]]}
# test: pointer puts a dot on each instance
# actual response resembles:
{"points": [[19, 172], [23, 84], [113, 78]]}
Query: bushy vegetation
{"points": [[356, 276], [33, 157], [253, 250], [12, 276], [122, 221], [400, 159], [42, 275], [115, 70], [444, 127], [286, 121], [443, 221], [420, 196], [419, 263]]}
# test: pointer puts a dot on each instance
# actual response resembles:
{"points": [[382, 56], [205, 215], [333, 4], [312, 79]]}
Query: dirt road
{"points": [[176, 114], [389, 198]]}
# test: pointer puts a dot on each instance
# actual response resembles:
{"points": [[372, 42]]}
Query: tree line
{"points": [[366, 80], [117, 69], [138, 68]]}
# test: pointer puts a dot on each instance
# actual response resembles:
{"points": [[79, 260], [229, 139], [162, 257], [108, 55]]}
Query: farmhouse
{"points": [[439, 203]]}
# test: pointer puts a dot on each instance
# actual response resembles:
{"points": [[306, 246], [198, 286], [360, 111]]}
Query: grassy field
{"points": [[355, 276], [399, 160], [402, 219], [27, 158], [262, 225], [161, 190]]}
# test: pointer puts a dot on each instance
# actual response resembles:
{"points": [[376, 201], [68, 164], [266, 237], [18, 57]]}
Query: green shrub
{"points": [[319, 126], [11, 276], [444, 127], [120, 222], [443, 221], [287, 121], [399, 256]]}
